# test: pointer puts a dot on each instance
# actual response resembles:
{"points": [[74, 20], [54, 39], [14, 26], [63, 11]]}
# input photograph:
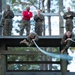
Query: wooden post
{"points": [[0, 64], [2, 60], [61, 29], [63, 67]]}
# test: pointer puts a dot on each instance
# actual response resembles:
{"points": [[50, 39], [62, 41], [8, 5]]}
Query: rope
{"points": [[72, 40], [61, 56]]}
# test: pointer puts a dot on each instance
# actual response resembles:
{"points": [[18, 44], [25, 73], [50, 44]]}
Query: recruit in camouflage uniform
{"points": [[7, 19], [29, 40], [68, 16], [39, 19], [66, 42]]}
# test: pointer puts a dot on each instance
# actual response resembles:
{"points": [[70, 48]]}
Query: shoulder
{"points": [[65, 12], [24, 12]]}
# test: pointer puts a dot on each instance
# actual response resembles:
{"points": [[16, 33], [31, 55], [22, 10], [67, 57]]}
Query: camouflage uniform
{"points": [[66, 45], [25, 24], [7, 28], [28, 41], [69, 22], [39, 24]]}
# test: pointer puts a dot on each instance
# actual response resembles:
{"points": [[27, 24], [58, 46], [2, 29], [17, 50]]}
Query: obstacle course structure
{"points": [[44, 41]]}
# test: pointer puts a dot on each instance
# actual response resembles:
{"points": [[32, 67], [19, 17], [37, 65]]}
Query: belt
{"points": [[38, 21], [69, 19]]}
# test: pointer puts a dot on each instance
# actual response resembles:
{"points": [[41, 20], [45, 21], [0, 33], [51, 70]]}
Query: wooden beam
{"points": [[44, 72], [33, 62], [44, 41], [20, 52]]}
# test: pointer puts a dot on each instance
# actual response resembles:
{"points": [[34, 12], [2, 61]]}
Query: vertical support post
{"points": [[61, 28], [0, 17], [63, 65], [0, 64], [2, 60]]}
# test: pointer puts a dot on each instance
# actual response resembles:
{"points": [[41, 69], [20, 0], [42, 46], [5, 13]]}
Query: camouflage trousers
{"points": [[7, 28], [25, 25], [66, 45], [39, 28], [69, 25]]}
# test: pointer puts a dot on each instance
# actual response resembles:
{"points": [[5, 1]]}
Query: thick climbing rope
{"points": [[61, 56], [72, 40]]}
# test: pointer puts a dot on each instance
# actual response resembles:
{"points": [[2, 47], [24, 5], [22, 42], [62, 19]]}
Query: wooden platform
{"points": [[44, 41], [14, 41]]}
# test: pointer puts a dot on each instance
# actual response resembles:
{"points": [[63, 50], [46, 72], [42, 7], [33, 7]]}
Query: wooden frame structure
{"points": [[44, 41]]}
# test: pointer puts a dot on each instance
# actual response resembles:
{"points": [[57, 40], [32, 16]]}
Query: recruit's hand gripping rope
{"points": [[61, 56]]}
